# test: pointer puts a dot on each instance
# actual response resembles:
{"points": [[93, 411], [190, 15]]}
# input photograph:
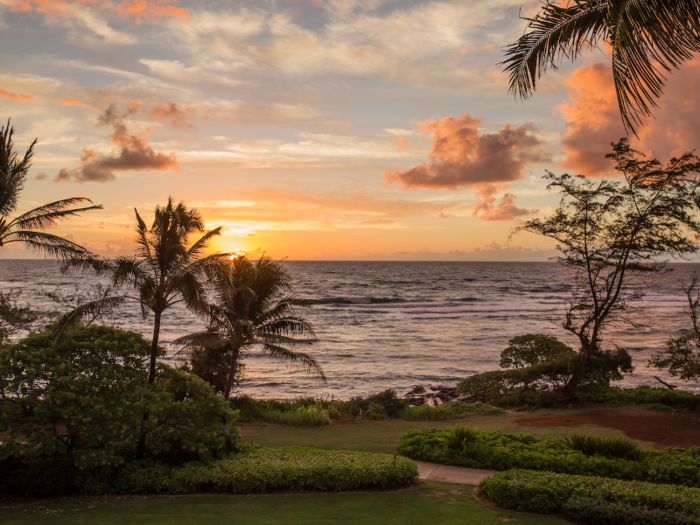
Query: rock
{"points": [[416, 390]]}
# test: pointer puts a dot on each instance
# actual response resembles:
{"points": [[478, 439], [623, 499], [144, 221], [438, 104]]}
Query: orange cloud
{"points": [[462, 156], [16, 97], [505, 210], [137, 10], [592, 119], [170, 114], [70, 102], [132, 152], [400, 142]]}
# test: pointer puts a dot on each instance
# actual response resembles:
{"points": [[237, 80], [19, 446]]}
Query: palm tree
{"points": [[164, 271], [28, 227], [644, 35], [252, 307]]}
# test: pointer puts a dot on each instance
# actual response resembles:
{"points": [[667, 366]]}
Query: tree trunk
{"points": [[154, 348], [232, 371]]}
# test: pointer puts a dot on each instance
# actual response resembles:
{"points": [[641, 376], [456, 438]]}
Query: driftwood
{"points": [[672, 387]]}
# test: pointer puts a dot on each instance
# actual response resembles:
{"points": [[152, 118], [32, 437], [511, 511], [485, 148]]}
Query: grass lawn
{"points": [[381, 436], [427, 503]]}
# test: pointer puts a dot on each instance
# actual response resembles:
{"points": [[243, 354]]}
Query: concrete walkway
{"points": [[461, 475]]}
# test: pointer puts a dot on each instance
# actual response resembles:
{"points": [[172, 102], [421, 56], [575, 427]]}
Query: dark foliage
{"points": [[76, 411]]}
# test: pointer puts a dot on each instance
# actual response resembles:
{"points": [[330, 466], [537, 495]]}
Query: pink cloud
{"points": [[170, 114], [488, 210], [464, 157], [136, 10], [592, 119], [16, 97], [132, 152]]}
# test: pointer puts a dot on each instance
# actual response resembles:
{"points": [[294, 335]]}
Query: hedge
{"points": [[272, 470], [499, 451], [594, 499]]}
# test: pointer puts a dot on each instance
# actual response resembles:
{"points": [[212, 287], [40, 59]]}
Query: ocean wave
{"points": [[357, 300]]}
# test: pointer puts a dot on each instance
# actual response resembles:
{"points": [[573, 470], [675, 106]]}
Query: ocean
{"points": [[398, 324]]}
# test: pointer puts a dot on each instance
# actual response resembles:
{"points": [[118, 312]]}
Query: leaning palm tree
{"points": [[252, 307], [165, 271], [28, 228], [645, 36]]}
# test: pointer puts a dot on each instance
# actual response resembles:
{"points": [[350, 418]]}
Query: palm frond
{"points": [[293, 326], [44, 216], [201, 340], [13, 170], [46, 244], [89, 312], [297, 359], [554, 33], [644, 34], [196, 249]]}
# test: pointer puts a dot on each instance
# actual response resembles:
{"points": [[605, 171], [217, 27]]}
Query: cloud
{"points": [[70, 102], [505, 210], [170, 114], [494, 246], [16, 97], [442, 214], [400, 142], [132, 152], [136, 10], [40, 176], [592, 119], [464, 157]]}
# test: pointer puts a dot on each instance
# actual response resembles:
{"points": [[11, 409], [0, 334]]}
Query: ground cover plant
{"points": [[427, 502], [594, 499], [311, 411], [257, 470], [612, 458]]}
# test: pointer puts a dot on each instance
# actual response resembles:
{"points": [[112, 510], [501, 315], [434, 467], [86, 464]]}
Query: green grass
{"points": [[381, 436], [426, 503]]}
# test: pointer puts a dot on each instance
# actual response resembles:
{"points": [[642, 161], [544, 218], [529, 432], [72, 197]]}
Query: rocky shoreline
{"points": [[435, 396]]}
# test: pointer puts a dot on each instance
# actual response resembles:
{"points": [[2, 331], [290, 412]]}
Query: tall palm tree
{"points": [[646, 37], [28, 227], [165, 271], [252, 306]]}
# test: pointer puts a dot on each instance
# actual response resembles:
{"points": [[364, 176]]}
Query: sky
{"points": [[310, 129]]}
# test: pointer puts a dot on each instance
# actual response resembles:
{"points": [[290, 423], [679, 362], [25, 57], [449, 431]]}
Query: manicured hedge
{"points": [[594, 499], [498, 451], [272, 470]]}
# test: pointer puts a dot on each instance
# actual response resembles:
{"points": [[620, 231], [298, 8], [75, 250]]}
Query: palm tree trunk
{"points": [[232, 371], [154, 348], [141, 445]]}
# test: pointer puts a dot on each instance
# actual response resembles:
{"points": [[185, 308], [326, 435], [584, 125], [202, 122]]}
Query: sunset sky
{"points": [[309, 129]]}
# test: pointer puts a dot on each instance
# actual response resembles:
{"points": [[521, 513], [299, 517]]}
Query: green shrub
{"points": [[601, 512], [272, 470], [459, 436], [84, 406], [498, 451], [650, 397], [385, 405], [607, 447], [453, 410], [532, 349], [594, 499]]}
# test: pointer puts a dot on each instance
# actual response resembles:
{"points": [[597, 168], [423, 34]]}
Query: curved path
{"points": [[448, 474]]}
